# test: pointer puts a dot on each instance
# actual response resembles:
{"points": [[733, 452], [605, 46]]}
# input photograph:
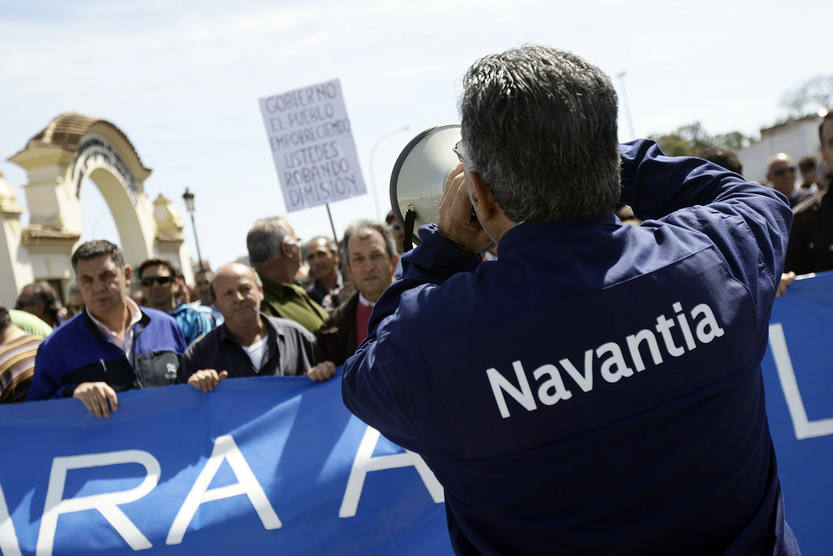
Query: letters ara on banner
{"points": [[263, 464]]}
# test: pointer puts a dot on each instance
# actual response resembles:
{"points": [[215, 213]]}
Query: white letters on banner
{"points": [[365, 462], [312, 145], [804, 428], [224, 449], [8, 538], [106, 504]]}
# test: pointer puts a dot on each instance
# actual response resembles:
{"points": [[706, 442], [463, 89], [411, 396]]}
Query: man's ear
{"points": [[127, 274], [482, 200]]}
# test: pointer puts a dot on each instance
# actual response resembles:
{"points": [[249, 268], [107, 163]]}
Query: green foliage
{"points": [[689, 139]]}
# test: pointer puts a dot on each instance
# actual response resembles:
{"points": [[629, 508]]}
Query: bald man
{"points": [[248, 343], [781, 175]]}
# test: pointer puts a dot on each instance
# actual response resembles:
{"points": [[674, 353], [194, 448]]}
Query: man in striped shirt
{"points": [[17, 359]]}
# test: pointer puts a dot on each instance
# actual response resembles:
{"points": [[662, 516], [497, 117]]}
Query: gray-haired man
{"points": [[597, 389], [275, 253]]}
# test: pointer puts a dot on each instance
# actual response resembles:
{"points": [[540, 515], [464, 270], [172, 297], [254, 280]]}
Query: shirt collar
{"points": [[272, 332], [135, 316], [526, 236], [279, 290], [365, 302]]}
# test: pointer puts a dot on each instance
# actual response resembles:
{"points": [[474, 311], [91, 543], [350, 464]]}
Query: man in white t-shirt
{"points": [[248, 343]]}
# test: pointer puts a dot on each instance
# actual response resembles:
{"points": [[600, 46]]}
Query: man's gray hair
{"points": [[265, 238], [358, 229], [539, 127]]}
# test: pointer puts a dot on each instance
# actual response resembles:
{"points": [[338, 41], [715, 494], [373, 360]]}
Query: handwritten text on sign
{"points": [[312, 145]]}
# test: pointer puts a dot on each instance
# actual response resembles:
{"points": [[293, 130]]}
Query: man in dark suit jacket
{"points": [[370, 260]]}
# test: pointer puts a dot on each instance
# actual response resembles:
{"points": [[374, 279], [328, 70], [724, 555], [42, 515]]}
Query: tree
{"points": [[690, 139], [811, 96]]}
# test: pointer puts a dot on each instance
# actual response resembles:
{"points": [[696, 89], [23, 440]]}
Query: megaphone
{"points": [[418, 178]]}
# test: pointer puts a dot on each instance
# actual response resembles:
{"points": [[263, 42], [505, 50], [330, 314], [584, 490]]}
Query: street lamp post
{"points": [[188, 197], [621, 75]]}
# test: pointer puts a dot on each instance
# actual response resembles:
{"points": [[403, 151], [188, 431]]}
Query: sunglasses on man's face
{"points": [[23, 304], [783, 170], [161, 280]]}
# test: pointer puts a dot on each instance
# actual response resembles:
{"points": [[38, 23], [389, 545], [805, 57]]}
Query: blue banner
{"points": [[260, 465], [279, 465], [798, 380]]}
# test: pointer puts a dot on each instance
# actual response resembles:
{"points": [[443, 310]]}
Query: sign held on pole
{"points": [[312, 145]]}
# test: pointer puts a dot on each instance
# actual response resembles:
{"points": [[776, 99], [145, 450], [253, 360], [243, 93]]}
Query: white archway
{"points": [[58, 161]]}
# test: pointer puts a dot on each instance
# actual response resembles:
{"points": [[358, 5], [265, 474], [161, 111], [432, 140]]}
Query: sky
{"points": [[182, 80]]}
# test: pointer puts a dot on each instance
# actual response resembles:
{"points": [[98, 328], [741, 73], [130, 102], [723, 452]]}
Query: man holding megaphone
{"points": [[596, 389]]}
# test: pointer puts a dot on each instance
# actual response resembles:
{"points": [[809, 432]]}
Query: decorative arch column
{"points": [[58, 160], [12, 256], [170, 241]]}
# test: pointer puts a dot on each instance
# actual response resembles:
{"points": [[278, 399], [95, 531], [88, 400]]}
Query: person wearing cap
{"points": [[555, 425]]}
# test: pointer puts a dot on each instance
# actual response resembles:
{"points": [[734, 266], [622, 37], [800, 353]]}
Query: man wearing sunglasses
{"points": [[781, 175], [597, 389], [111, 345], [159, 279], [811, 239]]}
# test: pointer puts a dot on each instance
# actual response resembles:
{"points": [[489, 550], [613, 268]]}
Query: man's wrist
{"points": [[439, 252]]}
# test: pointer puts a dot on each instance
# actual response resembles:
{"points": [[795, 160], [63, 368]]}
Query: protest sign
{"points": [[312, 145]]}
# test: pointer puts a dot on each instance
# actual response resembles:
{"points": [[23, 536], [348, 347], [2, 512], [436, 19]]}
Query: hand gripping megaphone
{"points": [[418, 178]]}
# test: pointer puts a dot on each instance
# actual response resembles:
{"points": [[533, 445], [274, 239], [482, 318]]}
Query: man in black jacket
{"points": [[811, 238], [248, 343]]}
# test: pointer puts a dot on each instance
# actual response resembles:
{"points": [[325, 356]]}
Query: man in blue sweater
{"points": [[596, 389], [111, 345]]}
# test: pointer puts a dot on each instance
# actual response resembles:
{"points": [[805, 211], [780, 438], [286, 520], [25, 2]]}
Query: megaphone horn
{"points": [[418, 178]]}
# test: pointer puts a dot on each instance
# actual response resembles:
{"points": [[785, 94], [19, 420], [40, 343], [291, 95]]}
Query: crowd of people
{"points": [[633, 457], [327, 288], [297, 310]]}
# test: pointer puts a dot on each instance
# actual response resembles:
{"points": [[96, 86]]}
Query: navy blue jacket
{"points": [[78, 352], [597, 389]]}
